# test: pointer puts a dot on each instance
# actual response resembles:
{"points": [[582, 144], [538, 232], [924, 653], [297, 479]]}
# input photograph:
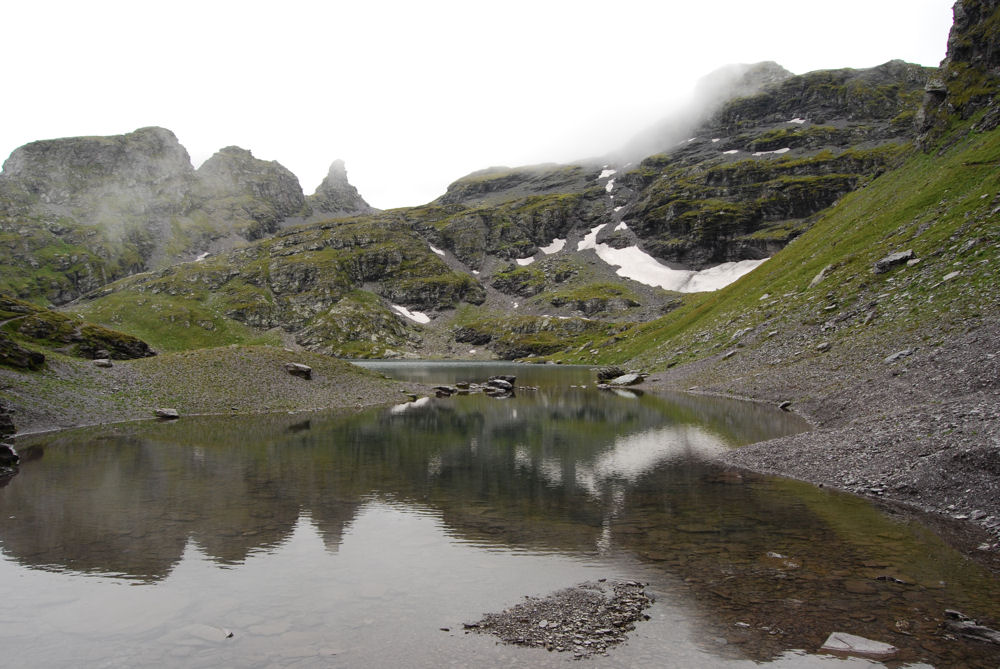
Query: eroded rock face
{"points": [[130, 173]]}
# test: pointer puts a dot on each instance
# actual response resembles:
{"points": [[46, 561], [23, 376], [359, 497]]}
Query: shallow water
{"points": [[368, 539]]}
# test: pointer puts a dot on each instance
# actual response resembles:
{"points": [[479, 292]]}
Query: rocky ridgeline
{"points": [[88, 210]]}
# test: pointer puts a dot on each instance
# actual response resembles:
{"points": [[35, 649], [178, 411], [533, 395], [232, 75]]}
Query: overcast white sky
{"points": [[412, 95]]}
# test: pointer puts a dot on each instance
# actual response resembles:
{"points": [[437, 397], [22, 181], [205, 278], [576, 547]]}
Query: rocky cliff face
{"points": [[970, 73], [336, 197], [748, 179]]}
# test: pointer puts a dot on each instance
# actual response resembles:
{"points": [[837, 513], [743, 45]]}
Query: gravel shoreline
{"points": [[223, 381], [921, 431]]}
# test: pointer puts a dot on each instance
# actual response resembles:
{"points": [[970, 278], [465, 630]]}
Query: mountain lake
{"points": [[371, 539]]}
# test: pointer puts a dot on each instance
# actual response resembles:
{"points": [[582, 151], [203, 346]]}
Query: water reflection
{"points": [[758, 566]]}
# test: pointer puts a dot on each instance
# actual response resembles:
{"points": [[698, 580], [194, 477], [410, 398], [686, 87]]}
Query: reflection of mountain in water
{"points": [[127, 499], [579, 472]]}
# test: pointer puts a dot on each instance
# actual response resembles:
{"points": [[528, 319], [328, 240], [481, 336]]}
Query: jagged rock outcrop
{"points": [[335, 196], [970, 73]]}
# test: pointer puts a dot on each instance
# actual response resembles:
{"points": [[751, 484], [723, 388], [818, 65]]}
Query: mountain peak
{"points": [[335, 196]]}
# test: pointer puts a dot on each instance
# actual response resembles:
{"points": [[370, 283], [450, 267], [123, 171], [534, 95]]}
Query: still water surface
{"points": [[366, 540]]}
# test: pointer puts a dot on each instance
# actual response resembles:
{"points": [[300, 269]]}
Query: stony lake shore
{"points": [[916, 427], [919, 432]]}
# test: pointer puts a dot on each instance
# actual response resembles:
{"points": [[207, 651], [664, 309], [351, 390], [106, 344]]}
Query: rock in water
{"points": [[167, 414], [8, 456], [297, 369], [627, 379], [842, 643]]}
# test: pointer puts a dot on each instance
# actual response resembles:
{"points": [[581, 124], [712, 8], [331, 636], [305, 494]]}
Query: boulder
{"points": [[885, 264], [500, 384], [166, 414], [509, 378], [627, 379], [898, 355], [298, 369], [103, 362]]}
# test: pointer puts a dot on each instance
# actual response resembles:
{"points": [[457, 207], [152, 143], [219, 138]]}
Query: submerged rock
{"points": [[842, 643]]}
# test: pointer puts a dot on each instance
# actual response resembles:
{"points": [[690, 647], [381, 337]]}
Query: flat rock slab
{"points": [[627, 380], [167, 414], [842, 643]]}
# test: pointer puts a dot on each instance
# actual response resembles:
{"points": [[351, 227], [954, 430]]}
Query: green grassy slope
{"points": [[946, 208]]}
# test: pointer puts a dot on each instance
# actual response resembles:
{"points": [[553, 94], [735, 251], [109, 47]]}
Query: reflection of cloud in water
{"points": [[407, 406], [634, 455], [551, 470]]}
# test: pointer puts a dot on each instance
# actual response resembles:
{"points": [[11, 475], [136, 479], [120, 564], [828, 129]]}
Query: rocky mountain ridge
{"points": [[76, 213], [576, 252]]}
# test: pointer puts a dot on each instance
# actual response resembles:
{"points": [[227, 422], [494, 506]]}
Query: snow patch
{"points": [[799, 121], [476, 272], [716, 140], [777, 152], [607, 173], [416, 316], [692, 139], [524, 262], [721, 276], [556, 246], [634, 263], [516, 305], [621, 226], [730, 152], [609, 185], [436, 250], [619, 208], [201, 256], [589, 240]]}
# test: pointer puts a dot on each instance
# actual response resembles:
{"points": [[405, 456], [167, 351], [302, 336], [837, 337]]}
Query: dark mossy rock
{"points": [[87, 340], [522, 281], [7, 427], [18, 357]]}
